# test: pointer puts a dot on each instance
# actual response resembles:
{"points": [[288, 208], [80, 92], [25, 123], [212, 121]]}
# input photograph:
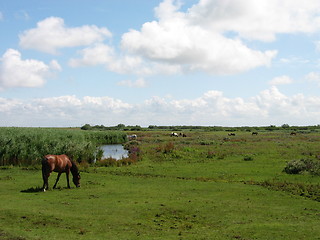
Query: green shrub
{"points": [[303, 165]]}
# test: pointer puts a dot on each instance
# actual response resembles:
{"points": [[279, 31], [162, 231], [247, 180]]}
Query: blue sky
{"points": [[170, 62]]}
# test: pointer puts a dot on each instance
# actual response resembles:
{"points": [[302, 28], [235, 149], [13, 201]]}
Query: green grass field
{"points": [[199, 187]]}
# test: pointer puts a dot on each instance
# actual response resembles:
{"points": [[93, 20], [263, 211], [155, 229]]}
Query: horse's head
{"points": [[76, 180]]}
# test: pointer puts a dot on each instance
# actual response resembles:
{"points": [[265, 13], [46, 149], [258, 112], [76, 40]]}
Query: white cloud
{"points": [[102, 54], [16, 72], [54, 65], [51, 34], [94, 55], [313, 77], [281, 80], [212, 108], [259, 20], [211, 36], [178, 38], [139, 83]]}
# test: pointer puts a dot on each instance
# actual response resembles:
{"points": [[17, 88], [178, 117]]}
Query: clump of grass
{"points": [[206, 142], [248, 158], [168, 148], [211, 154]]}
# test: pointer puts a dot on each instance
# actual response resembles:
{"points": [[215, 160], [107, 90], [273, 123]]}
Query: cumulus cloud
{"points": [[16, 72], [281, 80], [181, 38], [211, 36], [257, 20], [212, 108], [177, 42], [94, 55], [103, 54], [61, 111], [51, 34]]}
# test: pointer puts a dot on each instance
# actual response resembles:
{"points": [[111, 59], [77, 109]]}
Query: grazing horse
{"points": [[59, 164], [231, 134], [254, 133]]}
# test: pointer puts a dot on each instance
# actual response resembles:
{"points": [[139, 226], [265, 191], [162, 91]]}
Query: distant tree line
{"points": [[122, 127], [231, 129], [119, 127]]}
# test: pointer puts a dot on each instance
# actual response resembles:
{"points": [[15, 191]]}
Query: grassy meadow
{"points": [[207, 185]]}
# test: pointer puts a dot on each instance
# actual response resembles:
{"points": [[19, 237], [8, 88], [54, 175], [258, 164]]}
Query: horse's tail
{"points": [[44, 163]]}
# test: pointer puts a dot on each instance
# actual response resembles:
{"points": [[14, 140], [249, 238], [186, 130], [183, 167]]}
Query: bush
{"points": [[303, 165]]}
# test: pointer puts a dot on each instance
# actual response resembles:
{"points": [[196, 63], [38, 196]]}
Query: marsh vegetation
{"points": [[207, 185]]}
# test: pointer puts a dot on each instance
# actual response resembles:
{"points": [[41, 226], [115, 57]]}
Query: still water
{"points": [[115, 151]]}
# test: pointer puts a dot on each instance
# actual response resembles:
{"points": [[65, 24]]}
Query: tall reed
{"points": [[27, 146]]}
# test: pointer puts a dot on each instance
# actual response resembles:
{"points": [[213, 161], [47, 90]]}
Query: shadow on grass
{"points": [[32, 190], [40, 189]]}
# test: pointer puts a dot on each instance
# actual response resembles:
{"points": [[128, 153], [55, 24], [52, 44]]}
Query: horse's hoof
{"points": [[44, 190]]}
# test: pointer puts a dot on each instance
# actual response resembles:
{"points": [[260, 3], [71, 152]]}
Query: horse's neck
{"points": [[74, 169]]}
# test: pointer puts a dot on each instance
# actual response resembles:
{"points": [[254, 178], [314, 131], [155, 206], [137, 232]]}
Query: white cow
{"points": [[132, 137], [173, 134]]}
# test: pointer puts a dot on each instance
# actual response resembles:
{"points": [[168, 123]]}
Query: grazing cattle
{"points": [[184, 135], [254, 133], [132, 137], [60, 164], [173, 134], [293, 134], [231, 134]]}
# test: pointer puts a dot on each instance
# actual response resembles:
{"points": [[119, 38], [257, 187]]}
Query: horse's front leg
{"points": [[59, 174], [67, 174]]}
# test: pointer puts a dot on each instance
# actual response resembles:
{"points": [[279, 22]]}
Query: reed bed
{"points": [[27, 146]]}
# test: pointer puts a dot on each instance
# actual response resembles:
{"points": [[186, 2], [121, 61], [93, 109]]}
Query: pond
{"points": [[115, 151]]}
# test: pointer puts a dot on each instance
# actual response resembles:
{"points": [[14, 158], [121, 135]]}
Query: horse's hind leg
{"points": [[59, 174], [45, 177]]}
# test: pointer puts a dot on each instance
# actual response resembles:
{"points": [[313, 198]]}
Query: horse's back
{"points": [[57, 163]]}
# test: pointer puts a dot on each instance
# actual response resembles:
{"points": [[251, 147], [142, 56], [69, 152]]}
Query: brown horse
{"points": [[59, 164]]}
